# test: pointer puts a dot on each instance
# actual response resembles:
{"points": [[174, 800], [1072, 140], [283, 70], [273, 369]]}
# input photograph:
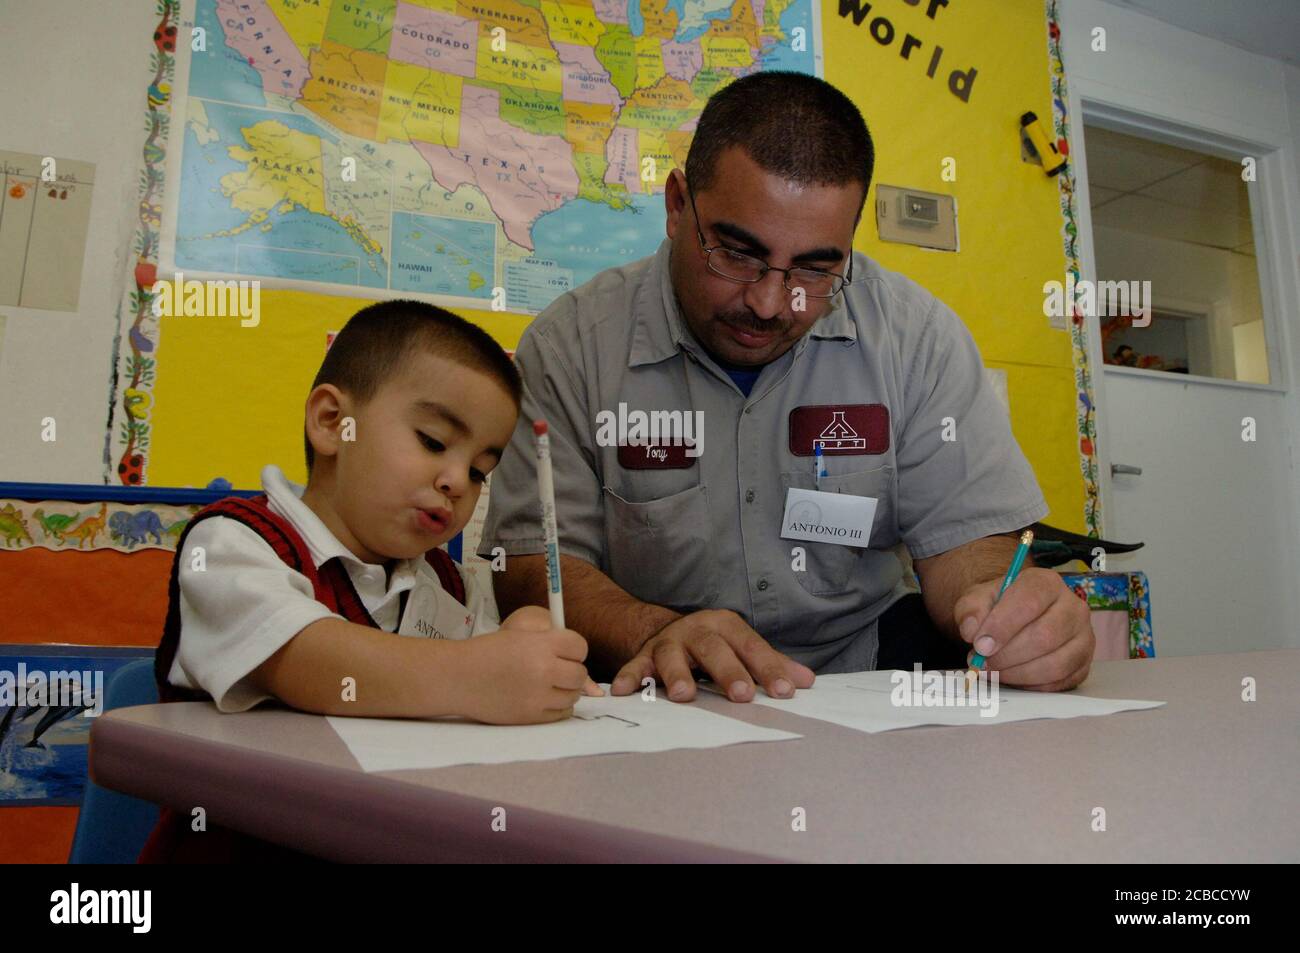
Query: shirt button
{"points": [[762, 585], [749, 496], [747, 409]]}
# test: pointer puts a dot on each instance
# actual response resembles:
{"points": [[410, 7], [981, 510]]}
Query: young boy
{"points": [[334, 599]]}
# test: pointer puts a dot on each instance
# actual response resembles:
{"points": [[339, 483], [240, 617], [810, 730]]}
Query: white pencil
{"points": [[550, 527], [551, 531]]}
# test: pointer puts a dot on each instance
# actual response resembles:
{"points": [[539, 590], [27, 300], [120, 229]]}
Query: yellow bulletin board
{"points": [[1008, 211], [228, 400]]}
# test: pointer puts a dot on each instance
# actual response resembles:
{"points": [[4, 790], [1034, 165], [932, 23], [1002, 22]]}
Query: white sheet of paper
{"points": [[862, 700], [599, 726]]}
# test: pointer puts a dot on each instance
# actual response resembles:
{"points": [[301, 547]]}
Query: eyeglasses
{"points": [[736, 266]]}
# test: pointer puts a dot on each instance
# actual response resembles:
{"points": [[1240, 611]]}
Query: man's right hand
{"points": [[722, 644]]}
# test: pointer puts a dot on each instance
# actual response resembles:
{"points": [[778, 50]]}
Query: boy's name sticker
{"points": [[819, 517], [432, 613]]}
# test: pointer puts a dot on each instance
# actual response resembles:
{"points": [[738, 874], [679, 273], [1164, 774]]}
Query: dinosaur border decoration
{"points": [[86, 526]]}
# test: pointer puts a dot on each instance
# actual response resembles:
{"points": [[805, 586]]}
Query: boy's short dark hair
{"points": [[793, 125], [374, 344]]}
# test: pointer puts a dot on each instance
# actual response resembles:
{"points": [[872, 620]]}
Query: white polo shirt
{"points": [[246, 603]]}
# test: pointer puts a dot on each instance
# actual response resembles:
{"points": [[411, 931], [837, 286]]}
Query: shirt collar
{"points": [[837, 323], [285, 498], [658, 333]]}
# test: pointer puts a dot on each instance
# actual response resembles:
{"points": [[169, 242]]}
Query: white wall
{"points": [[74, 75], [1221, 515]]}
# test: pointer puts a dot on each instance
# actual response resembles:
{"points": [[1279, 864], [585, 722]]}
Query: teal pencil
{"points": [[1017, 563]]}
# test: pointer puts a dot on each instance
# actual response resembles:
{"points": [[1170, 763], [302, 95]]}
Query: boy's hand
{"points": [[537, 619], [525, 673]]}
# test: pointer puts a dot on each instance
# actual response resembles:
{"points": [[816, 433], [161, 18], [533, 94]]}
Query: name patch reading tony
{"points": [[655, 456]]}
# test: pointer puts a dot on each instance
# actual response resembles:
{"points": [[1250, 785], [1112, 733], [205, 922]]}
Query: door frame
{"points": [[1273, 205]]}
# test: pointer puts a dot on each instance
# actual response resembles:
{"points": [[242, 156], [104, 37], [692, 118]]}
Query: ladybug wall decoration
{"points": [[165, 36]]}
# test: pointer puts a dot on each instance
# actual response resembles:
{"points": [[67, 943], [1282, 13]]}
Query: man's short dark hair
{"points": [[793, 125], [373, 347]]}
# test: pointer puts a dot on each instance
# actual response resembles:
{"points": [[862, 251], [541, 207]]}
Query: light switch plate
{"points": [[914, 217]]}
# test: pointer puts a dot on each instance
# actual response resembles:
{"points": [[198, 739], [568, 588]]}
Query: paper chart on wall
{"points": [[44, 221]]}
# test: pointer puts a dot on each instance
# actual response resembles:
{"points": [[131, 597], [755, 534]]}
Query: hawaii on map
{"points": [[447, 148]]}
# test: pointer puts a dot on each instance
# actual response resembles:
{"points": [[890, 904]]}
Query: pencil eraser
{"points": [[539, 427]]}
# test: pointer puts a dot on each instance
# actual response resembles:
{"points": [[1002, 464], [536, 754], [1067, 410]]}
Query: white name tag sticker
{"points": [[432, 612], [828, 517]]}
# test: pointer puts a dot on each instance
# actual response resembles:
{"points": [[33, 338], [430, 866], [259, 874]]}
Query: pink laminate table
{"points": [[1208, 777]]}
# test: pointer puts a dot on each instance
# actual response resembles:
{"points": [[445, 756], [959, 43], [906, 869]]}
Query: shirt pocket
{"points": [[660, 550], [830, 568]]}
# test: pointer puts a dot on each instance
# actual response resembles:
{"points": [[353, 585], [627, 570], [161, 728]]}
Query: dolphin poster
{"points": [[49, 697]]}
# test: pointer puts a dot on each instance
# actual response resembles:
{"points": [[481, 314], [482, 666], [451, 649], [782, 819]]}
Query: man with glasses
{"points": [[756, 318]]}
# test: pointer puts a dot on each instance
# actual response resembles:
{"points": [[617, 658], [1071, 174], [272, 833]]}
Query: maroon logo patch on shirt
{"points": [[655, 456], [841, 429]]}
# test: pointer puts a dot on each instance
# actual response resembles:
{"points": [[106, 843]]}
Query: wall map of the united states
{"points": [[411, 146]]}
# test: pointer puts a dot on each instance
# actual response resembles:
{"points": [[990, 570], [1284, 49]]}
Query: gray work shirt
{"points": [[875, 379]]}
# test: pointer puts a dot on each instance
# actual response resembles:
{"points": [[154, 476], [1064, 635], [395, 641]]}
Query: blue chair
{"points": [[112, 827]]}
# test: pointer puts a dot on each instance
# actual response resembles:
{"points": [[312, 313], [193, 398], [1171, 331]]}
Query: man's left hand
{"points": [[1038, 636]]}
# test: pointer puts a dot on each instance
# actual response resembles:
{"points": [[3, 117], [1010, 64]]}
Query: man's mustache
{"points": [[749, 322]]}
